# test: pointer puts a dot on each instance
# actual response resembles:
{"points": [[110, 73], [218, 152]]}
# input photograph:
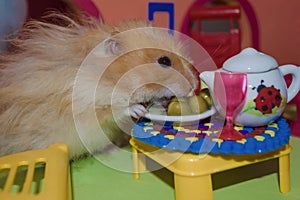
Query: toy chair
{"points": [[192, 172], [36, 175]]}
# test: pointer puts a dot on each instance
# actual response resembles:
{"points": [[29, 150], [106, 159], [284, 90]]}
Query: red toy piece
{"points": [[216, 29]]}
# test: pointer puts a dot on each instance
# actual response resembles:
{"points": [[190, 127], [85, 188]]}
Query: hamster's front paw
{"points": [[137, 111]]}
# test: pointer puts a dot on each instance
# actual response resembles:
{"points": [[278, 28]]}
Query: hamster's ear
{"points": [[112, 46], [109, 47]]}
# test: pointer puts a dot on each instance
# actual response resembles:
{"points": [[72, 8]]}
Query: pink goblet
{"points": [[230, 92]]}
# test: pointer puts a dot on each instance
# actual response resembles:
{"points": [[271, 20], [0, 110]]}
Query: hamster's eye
{"points": [[164, 61]]}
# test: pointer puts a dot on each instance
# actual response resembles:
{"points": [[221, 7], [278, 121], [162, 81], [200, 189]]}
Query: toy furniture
{"points": [[216, 29], [192, 172], [36, 175]]}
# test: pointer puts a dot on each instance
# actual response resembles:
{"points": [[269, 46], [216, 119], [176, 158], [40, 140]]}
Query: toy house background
{"points": [[278, 21]]}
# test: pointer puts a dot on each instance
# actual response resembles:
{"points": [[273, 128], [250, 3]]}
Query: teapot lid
{"points": [[250, 60]]}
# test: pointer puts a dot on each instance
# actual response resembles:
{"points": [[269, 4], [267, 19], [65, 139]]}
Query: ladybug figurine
{"points": [[267, 98]]}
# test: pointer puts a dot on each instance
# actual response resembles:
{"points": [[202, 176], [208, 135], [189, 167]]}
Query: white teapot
{"points": [[267, 92]]}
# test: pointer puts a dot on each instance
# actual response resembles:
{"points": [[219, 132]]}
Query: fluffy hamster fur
{"points": [[37, 78]]}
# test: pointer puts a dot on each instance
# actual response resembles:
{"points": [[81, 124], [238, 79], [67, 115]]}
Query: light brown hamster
{"points": [[137, 65]]}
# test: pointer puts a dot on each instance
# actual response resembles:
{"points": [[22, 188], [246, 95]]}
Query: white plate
{"points": [[185, 118]]}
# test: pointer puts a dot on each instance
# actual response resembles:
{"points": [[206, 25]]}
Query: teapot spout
{"points": [[208, 78]]}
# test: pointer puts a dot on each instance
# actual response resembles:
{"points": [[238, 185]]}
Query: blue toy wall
{"points": [[12, 16]]}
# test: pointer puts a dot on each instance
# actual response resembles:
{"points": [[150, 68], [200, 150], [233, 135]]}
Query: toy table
{"points": [[192, 172]]}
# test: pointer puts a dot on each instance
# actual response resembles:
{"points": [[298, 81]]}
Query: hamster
{"points": [[132, 63]]}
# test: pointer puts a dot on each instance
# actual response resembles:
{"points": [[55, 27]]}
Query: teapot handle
{"points": [[295, 85]]}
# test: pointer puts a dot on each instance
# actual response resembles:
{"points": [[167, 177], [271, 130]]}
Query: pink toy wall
{"points": [[279, 22], [138, 9]]}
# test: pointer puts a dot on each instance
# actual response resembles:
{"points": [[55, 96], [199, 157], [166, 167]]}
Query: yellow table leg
{"points": [[284, 173], [139, 163], [193, 187]]}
